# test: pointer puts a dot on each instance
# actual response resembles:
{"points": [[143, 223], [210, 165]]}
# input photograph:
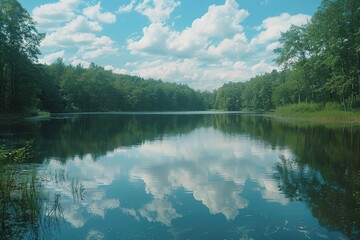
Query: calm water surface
{"points": [[190, 176]]}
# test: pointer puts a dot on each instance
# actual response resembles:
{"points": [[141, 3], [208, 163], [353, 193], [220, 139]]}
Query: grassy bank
{"points": [[331, 113], [11, 118]]}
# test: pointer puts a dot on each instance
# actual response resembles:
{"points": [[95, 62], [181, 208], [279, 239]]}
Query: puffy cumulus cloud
{"points": [[231, 48], [273, 27], [81, 24], [99, 47], [50, 58], [78, 32], [126, 8], [154, 40], [169, 70], [213, 50], [221, 21], [50, 15], [94, 13], [196, 73], [157, 10]]}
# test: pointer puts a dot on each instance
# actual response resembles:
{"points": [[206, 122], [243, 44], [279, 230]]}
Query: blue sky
{"points": [[201, 43]]}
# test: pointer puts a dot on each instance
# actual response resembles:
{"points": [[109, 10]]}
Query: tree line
{"points": [[320, 60], [27, 86], [72, 89]]}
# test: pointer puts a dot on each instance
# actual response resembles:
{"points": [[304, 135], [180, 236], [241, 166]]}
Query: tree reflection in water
{"points": [[322, 170], [334, 206]]}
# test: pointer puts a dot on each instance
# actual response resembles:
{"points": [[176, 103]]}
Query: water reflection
{"points": [[80, 190], [183, 176], [212, 166]]}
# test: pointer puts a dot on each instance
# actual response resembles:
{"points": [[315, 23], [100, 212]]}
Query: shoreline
{"points": [[323, 117]]}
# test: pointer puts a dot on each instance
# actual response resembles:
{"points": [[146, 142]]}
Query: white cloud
{"points": [[153, 40], [212, 50], [196, 73], [157, 10], [272, 46], [83, 63], [52, 57], [78, 32], [94, 13], [262, 67], [52, 14], [273, 26], [223, 21], [98, 52], [62, 39], [126, 8], [117, 70], [231, 48], [81, 24]]}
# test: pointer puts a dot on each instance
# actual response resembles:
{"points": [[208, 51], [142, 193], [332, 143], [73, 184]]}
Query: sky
{"points": [[201, 43]]}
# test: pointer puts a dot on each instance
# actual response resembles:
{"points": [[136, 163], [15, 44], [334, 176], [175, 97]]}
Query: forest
{"points": [[320, 62]]}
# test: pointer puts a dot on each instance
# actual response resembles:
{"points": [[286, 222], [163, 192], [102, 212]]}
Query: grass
{"points": [[14, 118], [330, 113]]}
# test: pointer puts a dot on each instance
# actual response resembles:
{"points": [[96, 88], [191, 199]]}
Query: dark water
{"points": [[190, 176]]}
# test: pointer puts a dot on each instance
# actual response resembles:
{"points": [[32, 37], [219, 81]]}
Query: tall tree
{"points": [[19, 41], [294, 54], [334, 30]]}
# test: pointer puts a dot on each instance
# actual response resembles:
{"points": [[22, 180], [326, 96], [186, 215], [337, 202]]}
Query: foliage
{"points": [[321, 62], [96, 89], [19, 41], [20, 193]]}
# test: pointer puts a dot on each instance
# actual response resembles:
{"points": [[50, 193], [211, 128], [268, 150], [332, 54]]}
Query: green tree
{"points": [[294, 55], [334, 30], [19, 41]]}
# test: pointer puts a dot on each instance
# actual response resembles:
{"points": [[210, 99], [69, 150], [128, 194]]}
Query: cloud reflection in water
{"points": [[212, 166]]}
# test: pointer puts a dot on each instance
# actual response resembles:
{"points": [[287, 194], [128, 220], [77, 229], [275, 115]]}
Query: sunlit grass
{"points": [[330, 113]]}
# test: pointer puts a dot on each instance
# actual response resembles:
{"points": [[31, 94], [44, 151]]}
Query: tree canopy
{"points": [[19, 41], [320, 61]]}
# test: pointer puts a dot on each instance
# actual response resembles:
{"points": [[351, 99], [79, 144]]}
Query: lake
{"points": [[187, 176]]}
